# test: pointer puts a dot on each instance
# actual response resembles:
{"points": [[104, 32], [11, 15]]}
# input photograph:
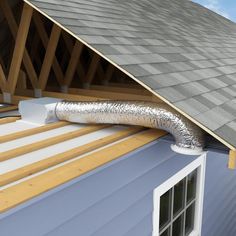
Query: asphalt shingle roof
{"points": [[180, 50]]}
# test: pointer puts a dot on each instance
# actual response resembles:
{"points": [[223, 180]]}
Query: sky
{"points": [[226, 8]]}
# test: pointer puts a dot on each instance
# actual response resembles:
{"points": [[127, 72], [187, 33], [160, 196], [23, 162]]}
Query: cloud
{"points": [[215, 6]]}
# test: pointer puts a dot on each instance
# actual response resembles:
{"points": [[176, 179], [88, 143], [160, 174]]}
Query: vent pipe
{"points": [[188, 137]]}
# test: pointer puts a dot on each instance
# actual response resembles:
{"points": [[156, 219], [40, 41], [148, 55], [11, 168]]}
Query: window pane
{"points": [[189, 222], [165, 207], [166, 232], [178, 226], [179, 196], [192, 181]]}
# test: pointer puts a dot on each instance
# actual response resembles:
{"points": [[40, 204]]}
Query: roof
{"points": [[35, 159], [182, 52]]}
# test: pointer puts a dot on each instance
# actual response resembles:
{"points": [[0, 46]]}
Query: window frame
{"points": [[200, 164]]}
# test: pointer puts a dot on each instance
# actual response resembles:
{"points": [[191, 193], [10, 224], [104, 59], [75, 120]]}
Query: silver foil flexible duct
{"points": [[187, 135]]}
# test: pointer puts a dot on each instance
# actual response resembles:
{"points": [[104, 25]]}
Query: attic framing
{"points": [[30, 75], [30, 72]]}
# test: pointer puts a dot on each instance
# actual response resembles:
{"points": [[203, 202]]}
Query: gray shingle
{"points": [[184, 52]]}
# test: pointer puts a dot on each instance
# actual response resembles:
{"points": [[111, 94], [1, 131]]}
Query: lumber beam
{"points": [[232, 159], [21, 82], [69, 45], [2, 64], [39, 184], [8, 108], [117, 89], [92, 69], [74, 60], [45, 40], [66, 156], [2, 79], [49, 142], [49, 56], [7, 11], [33, 131], [7, 120], [19, 47], [110, 95]]}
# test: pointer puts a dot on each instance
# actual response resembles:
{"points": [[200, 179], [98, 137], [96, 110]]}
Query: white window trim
{"points": [[199, 163]]}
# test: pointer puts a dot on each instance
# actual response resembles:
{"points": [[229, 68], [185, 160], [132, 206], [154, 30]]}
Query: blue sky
{"points": [[226, 8]]}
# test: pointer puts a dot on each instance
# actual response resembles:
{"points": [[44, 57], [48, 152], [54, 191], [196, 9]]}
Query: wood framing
{"points": [[74, 60], [8, 108], [69, 45], [21, 82], [118, 89], [45, 40], [19, 48], [65, 156], [48, 142], [131, 76], [112, 95], [92, 69], [28, 132], [40, 184], [232, 159], [7, 11], [8, 120], [49, 56], [2, 79], [2, 64]]}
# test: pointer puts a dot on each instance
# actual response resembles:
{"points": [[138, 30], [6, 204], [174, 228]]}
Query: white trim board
{"points": [[199, 163]]}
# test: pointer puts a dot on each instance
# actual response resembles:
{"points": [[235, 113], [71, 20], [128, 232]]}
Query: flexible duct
{"points": [[189, 137]]}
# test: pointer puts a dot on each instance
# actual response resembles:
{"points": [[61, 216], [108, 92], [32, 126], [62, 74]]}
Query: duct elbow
{"points": [[188, 136]]}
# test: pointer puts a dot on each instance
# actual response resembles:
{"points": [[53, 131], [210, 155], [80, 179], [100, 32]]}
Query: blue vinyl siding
{"points": [[117, 199], [113, 200], [219, 209]]}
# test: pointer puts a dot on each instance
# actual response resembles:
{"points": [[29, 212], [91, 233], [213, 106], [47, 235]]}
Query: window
{"points": [[178, 202]]}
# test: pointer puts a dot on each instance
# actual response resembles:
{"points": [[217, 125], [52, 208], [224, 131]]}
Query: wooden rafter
{"points": [[35, 45], [3, 64], [2, 79], [104, 76], [7, 11], [113, 95], [92, 69], [49, 56], [232, 159], [69, 45], [39, 184], [117, 89], [45, 40], [19, 47], [72, 66], [65, 156], [21, 82], [48, 142]]}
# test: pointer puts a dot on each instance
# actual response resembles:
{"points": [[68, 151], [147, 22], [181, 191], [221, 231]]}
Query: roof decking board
{"points": [[37, 184], [46, 152], [51, 159], [151, 40], [62, 157]]}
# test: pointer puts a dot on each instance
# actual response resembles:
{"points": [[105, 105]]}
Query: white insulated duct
{"points": [[189, 137]]}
